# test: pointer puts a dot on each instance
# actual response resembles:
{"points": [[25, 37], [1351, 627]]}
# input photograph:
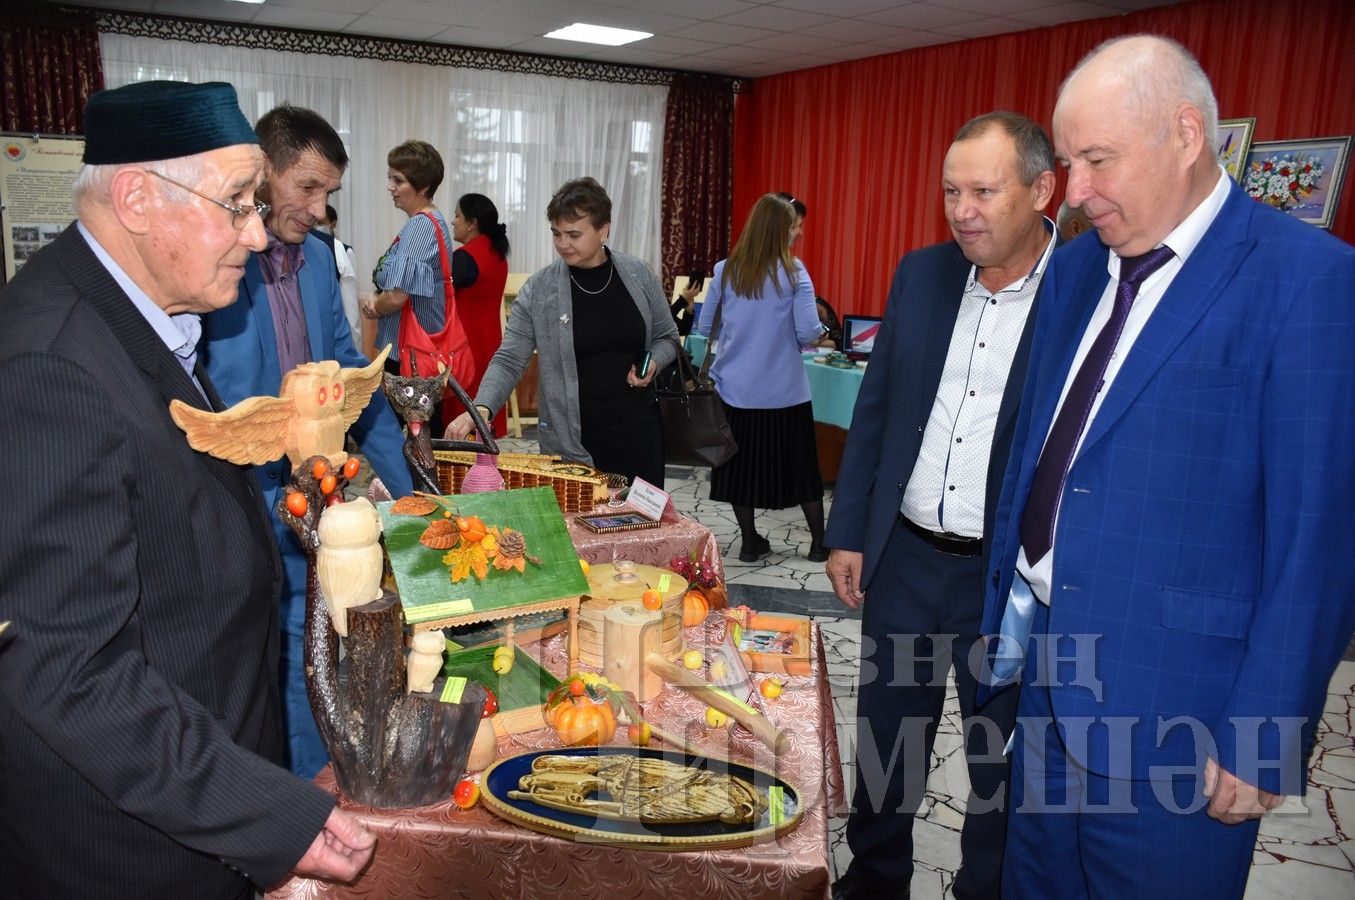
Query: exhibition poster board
{"points": [[37, 172]]}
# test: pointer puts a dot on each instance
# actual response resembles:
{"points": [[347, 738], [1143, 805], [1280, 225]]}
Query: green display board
{"points": [[424, 579]]}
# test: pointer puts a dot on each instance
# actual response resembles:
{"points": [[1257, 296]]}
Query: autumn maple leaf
{"points": [[464, 559]]}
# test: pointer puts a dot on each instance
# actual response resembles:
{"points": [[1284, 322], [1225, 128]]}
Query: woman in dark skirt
{"points": [[765, 301]]}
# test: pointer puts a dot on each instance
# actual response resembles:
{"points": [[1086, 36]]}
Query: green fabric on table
{"points": [[526, 684], [833, 391]]}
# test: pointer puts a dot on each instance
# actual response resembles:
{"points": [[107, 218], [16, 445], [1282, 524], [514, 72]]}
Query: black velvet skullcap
{"points": [[153, 120]]}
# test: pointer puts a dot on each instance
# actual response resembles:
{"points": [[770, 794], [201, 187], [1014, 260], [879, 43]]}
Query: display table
{"points": [[650, 546], [442, 851], [832, 391]]}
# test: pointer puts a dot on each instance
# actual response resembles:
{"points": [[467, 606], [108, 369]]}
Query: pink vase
{"points": [[483, 476]]}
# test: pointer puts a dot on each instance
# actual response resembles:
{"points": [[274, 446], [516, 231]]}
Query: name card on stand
{"points": [[653, 502]]}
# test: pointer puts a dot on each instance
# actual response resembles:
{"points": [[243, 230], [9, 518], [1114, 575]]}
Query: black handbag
{"points": [[695, 431]]}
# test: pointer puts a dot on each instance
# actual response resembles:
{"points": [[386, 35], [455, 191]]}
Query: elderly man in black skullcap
{"points": [[138, 700]]}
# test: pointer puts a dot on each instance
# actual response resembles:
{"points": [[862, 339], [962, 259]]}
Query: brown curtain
{"points": [[698, 139], [49, 65]]}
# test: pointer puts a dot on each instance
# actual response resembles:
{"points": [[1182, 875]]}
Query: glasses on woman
{"points": [[240, 212]]}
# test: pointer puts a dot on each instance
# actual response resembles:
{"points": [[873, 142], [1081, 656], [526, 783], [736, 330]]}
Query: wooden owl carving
{"points": [[424, 661], [349, 562], [316, 405]]}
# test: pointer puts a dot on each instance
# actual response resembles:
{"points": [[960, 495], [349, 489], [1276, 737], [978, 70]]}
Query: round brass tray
{"points": [[503, 776]]}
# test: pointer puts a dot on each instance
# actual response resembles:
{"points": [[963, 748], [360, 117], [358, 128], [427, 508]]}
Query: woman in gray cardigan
{"points": [[591, 316]]}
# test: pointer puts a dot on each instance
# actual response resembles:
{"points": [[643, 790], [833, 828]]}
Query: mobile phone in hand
{"points": [[641, 362]]}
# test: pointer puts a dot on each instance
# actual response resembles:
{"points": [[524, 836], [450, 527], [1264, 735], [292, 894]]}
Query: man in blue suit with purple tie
{"points": [[1172, 550], [290, 312]]}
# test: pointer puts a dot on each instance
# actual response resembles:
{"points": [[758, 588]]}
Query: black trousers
{"points": [[919, 619]]}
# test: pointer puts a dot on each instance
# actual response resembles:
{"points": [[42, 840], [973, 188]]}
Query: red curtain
{"points": [[698, 137], [49, 65], [862, 142]]}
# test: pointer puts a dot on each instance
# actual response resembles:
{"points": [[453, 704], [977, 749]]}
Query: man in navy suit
{"points": [[290, 312], [914, 499], [1175, 523]]}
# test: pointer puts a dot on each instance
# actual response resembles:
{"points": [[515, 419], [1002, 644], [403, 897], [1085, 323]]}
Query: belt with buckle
{"points": [[944, 541]]}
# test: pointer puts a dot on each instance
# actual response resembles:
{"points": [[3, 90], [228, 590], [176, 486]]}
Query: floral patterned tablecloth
{"points": [[441, 851], [650, 546]]}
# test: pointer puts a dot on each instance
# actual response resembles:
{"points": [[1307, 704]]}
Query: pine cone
{"points": [[512, 545]]}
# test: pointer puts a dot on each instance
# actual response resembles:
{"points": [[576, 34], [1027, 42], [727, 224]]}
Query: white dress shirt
{"points": [[949, 483], [1182, 240], [348, 289]]}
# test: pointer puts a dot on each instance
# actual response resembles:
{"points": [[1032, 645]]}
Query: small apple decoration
{"points": [[651, 599], [467, 793], [715, 718], [503, 660], [771, 688], [639, 734], [692, 659]]}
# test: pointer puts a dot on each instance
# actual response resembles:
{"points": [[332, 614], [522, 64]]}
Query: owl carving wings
{"points": [[316, 405]]}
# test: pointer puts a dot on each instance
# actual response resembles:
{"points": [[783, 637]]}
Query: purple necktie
{"points": [[1037, 525]]}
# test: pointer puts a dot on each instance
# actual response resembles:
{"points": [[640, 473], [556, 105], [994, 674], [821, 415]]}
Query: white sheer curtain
{"points": [[514, 138]]}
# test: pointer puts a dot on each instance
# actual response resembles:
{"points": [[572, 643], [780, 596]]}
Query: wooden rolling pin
{"points": [[757, 724]]}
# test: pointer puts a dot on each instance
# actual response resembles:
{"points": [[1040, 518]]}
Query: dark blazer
{"points": [[138, 688], [1205, 530], [896, 400]]}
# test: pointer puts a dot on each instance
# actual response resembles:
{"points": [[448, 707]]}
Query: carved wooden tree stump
{"points": [[388, 748]]}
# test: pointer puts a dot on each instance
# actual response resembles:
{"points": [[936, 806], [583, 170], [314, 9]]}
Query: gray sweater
{"points": [[540, 321]]}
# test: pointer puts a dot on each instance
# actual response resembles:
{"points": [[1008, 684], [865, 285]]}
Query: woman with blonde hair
{"points": [[765, 303]]}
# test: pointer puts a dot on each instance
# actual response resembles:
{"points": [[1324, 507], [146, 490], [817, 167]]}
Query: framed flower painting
{"points": [[1234, 142], [1302, 178]]}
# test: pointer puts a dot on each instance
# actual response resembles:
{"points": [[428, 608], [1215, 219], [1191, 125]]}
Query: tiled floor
{"points": [[1306, 848]]}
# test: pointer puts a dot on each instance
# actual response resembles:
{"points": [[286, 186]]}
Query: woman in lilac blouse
{"points": [[768, 313]]}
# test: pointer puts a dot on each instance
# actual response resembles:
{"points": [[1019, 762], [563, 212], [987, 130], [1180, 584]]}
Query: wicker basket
{"points": [[578, 488]]}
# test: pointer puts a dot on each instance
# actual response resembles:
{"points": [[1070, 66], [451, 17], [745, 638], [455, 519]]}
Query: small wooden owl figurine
{"points": [[349, 562], [424, 662]]}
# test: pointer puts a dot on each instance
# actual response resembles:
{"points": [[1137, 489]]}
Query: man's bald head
{"points": [[1135, 125], [1154, 76]]}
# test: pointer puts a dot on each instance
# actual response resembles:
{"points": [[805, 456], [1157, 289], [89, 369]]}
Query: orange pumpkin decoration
{"points": [[695, 606], [581, 721]]}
